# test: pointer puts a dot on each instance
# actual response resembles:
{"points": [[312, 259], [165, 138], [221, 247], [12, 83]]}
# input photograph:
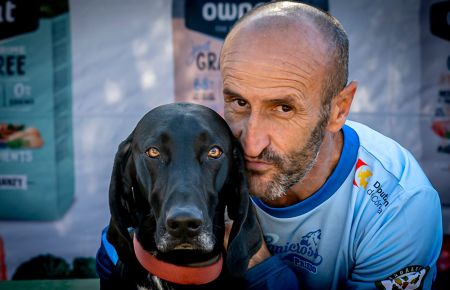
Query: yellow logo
{"points": [[362, 174]]}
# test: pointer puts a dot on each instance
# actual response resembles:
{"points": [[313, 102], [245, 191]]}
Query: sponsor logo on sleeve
{"points": [[374, 189], [362, 174], [378, 196], [411, 277]]}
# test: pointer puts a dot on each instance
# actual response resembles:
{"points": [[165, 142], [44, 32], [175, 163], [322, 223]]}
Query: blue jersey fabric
{"points": [[375, 224], [106, 258]]}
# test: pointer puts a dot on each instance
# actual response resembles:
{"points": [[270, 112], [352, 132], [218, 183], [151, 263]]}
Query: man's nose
{"points": [[254, 136]]}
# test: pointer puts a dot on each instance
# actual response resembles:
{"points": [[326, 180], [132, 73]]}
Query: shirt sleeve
{"points": [[272, 274], [106, 259], [400, 250]]}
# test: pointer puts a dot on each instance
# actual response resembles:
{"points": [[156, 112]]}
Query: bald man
{"points": [[340, 205]]}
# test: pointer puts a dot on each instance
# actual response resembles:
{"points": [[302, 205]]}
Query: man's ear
{"points": [[340, 107], [245, 237]]}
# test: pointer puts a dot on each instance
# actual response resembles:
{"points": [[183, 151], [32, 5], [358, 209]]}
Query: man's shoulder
{"points": [[380, 146], [388, 159]]}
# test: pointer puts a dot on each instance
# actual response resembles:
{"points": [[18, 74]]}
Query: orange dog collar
{"points": [[185, 275]]}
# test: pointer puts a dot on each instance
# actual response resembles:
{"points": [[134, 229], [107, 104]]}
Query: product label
{"points": [[13, 182], [18, 17], [36, 147]]}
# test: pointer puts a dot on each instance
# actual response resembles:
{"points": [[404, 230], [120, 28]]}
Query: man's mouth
{"points": [[257, 166]]}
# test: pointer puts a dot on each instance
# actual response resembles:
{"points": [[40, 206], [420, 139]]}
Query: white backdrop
{"points": [[123, 66]]}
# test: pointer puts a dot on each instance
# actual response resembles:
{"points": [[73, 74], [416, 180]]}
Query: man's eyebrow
{"points": [[229, 92], [290, 99], [285, 99]]}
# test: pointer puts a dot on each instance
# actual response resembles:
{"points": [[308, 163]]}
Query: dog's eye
{"points": [[153, 152], [214, 152]]}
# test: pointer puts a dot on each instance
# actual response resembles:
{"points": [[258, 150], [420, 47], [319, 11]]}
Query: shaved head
{"points": [[299, 23]]}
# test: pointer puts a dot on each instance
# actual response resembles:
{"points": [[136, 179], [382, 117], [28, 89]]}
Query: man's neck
{"points": [[327, 159]]}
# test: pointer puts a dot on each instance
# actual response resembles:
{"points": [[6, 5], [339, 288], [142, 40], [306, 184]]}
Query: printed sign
{"points": [[435, 93], [36, 154]]}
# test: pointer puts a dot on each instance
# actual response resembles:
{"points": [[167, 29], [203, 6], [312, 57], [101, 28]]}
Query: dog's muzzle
{"points": [[185, 228]]}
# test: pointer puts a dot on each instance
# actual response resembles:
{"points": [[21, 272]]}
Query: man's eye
{"points": [[241, 103], [237, 105], [284, 108]]}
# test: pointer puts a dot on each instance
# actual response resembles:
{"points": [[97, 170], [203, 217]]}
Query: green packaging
{"points": [[36, 145]]}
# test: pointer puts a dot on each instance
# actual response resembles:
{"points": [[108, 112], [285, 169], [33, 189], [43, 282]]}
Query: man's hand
{"points": [[262, 254]]}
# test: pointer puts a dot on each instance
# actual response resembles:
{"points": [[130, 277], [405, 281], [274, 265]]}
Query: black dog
{"points": [[172, 179]]}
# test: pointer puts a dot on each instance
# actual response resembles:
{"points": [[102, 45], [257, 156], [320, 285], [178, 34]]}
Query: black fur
{"points": [[143, 190]]}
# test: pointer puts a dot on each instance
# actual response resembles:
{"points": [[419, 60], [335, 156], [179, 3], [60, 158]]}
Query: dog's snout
{"points": [[184, 221]]}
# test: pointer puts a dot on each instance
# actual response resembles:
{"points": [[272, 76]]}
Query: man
{"points": [[340, 205]]}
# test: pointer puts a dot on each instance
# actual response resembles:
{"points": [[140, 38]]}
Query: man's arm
{"points": [[402, 247], [266, 271], [260, 256], [272, 274], [269, 272]]}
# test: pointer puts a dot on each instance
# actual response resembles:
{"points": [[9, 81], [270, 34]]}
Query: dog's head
{"points": [[172, 179]]}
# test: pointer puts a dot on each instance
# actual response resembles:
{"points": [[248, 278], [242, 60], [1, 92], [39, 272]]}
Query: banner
{"points": [[435, 93], [36, 154]]}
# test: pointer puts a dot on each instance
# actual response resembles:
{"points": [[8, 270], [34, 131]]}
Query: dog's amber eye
{"points": [[214, 152], [153, 152]]}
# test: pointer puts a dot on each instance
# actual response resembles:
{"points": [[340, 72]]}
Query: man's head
{"points": [[284, 67]]}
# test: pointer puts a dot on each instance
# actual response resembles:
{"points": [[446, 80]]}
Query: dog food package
{"points": [[36, 147], [435, 93]]}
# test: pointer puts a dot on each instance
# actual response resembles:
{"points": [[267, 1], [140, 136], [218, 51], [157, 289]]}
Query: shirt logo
{"points": [[303, 254], [411, 277], [378, 197], [362, 174]]}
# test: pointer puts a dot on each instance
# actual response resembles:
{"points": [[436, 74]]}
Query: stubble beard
{"points": [[290, 169]]}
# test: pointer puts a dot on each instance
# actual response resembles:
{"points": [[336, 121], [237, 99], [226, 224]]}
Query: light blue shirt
{"points": [[375, 223]]}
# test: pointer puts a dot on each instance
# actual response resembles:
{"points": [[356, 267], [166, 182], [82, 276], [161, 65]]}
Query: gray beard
{"points": [[291, 169]]}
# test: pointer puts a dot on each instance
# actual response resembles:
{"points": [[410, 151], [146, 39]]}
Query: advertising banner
{"points": [[36, 154], [435, 93]]}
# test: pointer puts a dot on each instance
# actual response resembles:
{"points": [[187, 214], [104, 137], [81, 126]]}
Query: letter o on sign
{"points": [[209, 11]]}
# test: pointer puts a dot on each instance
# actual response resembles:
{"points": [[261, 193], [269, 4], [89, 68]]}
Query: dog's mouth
{"points": [[194, 247]]}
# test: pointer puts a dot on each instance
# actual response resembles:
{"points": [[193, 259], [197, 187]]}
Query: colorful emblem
{"points": [[362, 174], [411, 277]]}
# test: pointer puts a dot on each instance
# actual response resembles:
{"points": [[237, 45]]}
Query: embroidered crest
{"points": [[411, 277]]}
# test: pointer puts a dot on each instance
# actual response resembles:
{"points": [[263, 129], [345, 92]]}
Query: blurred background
{"points": [[76, 76]]}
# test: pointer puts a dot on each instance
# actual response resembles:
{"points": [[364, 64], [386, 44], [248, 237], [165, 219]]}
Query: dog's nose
{"points": [[184, 221]]}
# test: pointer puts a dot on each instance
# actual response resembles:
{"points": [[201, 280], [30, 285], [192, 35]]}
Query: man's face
{"points": [[272, 84]]}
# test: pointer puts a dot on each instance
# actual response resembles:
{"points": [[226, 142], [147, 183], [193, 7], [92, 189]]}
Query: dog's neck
{"points": [[185, 275]]}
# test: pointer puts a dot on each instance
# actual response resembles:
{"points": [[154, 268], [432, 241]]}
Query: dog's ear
{"points": [[121, 200], [245, 237]]}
